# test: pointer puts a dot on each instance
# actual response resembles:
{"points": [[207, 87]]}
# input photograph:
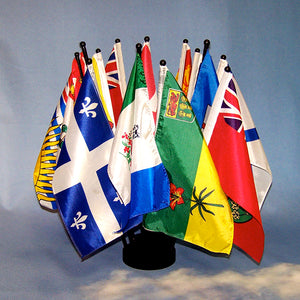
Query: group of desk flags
{"points": [[184, 159]]}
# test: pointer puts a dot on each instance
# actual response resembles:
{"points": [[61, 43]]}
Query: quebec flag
{"points": [[88, 203]]}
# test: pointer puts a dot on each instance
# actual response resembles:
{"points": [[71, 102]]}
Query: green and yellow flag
{"points": [[199, 212]]}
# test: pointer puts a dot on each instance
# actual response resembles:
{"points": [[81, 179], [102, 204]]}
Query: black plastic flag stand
{"points": [[147, 250]]}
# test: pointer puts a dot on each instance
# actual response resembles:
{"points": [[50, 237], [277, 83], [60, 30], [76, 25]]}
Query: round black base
{"points": [[149, 250]]}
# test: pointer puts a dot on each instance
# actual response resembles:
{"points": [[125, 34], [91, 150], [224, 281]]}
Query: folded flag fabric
{"points": [[261, 170], [89, 206], [149, 76], [135, 167], [225, 135], [198, 211], [205, 89], [116, 79], [185, 67], [46, 162]]}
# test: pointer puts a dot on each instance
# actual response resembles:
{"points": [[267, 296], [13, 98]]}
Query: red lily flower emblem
{"points": [[175, 195]]}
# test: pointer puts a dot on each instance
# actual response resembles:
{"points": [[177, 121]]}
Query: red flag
{"points": [[225, 136], [185, 67], [75, 77], [148, 70], [187, 71]]}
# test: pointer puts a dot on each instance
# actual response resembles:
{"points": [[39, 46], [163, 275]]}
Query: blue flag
{"points": [[205, 89], [90, 208]]}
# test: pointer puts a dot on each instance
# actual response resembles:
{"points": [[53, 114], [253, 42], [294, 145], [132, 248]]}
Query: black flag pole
{"points": [[139, 47], [76, 54], [206, 47], [83, 48]]}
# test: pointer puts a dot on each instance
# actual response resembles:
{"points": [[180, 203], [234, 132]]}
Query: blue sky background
{"points": [[37, 43]]}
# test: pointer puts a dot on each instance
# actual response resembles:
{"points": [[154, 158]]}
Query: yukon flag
{"points": [[135, 167], [91, 211], [198, 211], [185, 67], [205, 89], [115, 73], [225, 136], [47, 159], [148, 69]]}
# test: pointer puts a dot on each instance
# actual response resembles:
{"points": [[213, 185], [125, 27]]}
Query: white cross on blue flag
{"points": [[88, 203]]}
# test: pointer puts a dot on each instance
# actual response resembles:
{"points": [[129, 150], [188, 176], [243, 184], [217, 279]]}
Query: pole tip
{"points": [[185, 41], [89, 61], [206, 43], [227, 69], [146, 38], [162, 62], [76, 54], [117, 40], [223, 56], [98, 50], [82, 44], [197, 50], [139, 48]]}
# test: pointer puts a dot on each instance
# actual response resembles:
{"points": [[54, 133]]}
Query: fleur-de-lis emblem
{"points": [[88, 108], [79, 221]]}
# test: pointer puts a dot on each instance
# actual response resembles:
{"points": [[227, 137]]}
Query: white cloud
{"points": [[277, 282]]}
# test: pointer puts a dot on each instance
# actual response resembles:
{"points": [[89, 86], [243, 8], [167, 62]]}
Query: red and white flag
{"points": [[225, 135], [148, 70], [115, 73]]}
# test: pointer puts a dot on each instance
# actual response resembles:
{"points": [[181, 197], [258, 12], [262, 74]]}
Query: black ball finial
{"points": [[162, 62], [185, 41], [98, 50], [139, 48], [89, 61], [117, 40], [146, 38], [83, 47], [197, 50], [206, 43], [223, 56], [227, 69], [206, 47]]}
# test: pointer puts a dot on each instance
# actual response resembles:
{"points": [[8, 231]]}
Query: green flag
{"points": [[199, 212]]}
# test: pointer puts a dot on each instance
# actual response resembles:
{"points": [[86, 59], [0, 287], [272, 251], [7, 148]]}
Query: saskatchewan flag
{"points": [[199, 212]]}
